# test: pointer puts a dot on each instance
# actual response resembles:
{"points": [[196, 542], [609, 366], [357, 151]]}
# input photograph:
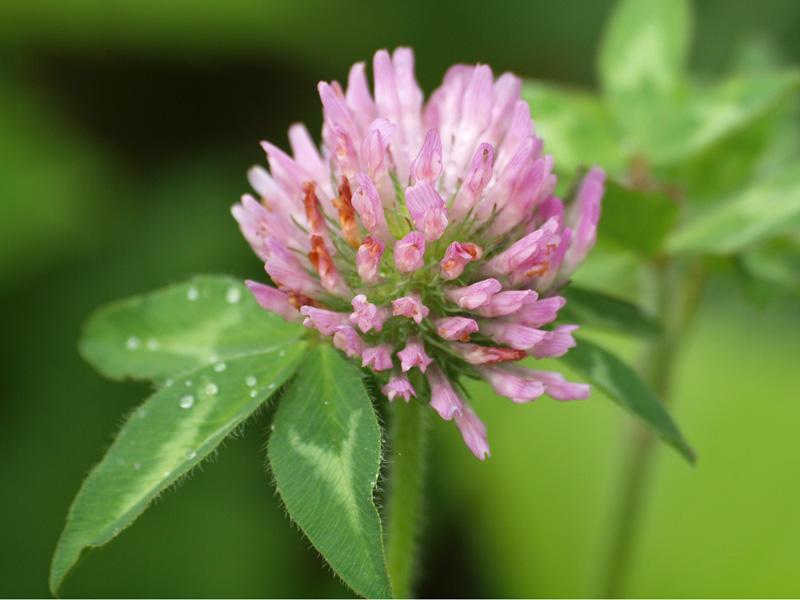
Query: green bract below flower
{"points": [[424, 238]]}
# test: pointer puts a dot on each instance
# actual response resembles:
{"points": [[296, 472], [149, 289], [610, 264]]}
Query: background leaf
{"points": [[626, 388], [592, 308], [639, 221], [575, 125], [768, 207], [162, 440], [777, 261], [717, 112], [181, 327], [641, 59], [325, 453]]}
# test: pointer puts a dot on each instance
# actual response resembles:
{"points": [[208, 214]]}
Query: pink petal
{"points": [[367, 203], [346, 339], [377, 357], [455, 328], [473, 431], [456, 258], [443, 397], [368, 259], [560, 389], [555, 343], [399, 386], [476, 295], [513, 334], [411, 307], [409, 252], [366, 315], [324, 321], [517, 385], [273, 300], [428, 165], [427, 209], [413, 355]]}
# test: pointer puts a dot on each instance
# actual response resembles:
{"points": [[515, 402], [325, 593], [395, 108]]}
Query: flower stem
{"points": [[409, 425], [677, 291]]}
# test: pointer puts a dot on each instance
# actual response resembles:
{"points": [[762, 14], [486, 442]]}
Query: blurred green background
{"points": [[125, 132]]}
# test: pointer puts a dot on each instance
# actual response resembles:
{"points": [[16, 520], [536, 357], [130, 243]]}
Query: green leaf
{"points": [[325, 453], [575, 125], [625, 387], [167, 436], [641, 60], [767, 208], [716, 113], [181, 327], [777, 261], [636, 220], [589, 307]]}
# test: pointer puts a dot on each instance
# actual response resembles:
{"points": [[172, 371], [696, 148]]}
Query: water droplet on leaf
{"points": [[132, 343], [187, 401], [211, 389], [220, 367], [192, 294], [233, 295], [250, 380], [152, 345]]}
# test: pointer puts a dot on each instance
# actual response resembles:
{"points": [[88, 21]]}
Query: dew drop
{"points": [[211, 389], [192, 294], [152, 345], [137, 466], [116, 531], [188, 383], [220, 367], [282, 353], [132, 343], [233, 295], [250, 380], [168, 382], [253, 393], [213, 358], [142, 414], [190, 454], [271, 386], [166, 473], [272, 427], [187, 401]]}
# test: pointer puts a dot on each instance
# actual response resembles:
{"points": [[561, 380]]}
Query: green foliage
{"points": [[641, 63], [180, 328], [767, 208], [639, 221], [218, 356], [325, 453], [175, 429], [577, 128], [714, 113], [592, 308], [626, 388], [777, 261]]}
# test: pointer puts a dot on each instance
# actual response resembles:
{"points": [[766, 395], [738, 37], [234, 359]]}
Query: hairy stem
{"points": [[677, 289], [408, 432]]}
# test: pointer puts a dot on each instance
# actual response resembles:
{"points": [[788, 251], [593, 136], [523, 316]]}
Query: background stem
{"points": [[677, 294], [409, 425]]}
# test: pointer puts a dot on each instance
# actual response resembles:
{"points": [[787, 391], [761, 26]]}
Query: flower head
{"points": [[424, 237]]}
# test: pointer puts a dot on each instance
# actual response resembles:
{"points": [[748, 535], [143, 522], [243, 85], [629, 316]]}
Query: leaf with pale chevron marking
{"points": [[165, 438], [325, 454]]}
